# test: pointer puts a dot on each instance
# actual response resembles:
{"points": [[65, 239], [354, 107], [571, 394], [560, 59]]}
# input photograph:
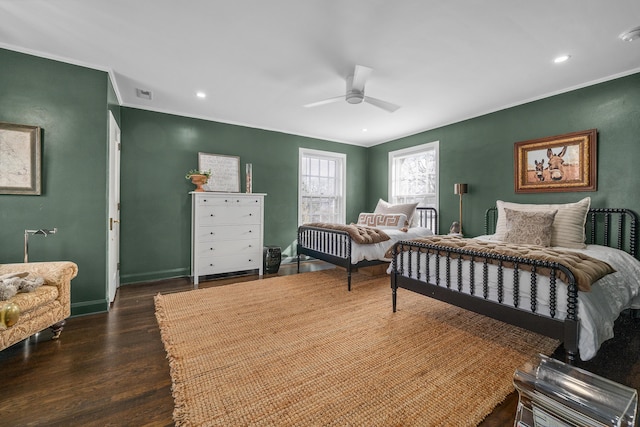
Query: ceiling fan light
{"points": [[355, 92], [354, 98], [630, 35]]}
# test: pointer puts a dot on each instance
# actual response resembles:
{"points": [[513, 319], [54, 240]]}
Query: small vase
{"points": [[199, 181], [249, 178]]}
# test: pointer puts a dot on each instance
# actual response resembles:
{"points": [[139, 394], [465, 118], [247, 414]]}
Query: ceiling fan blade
{"points": [[360, 77], [387, 106], [326, 101]]}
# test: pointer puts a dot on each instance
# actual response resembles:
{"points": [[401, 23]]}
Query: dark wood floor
{"points": [[111, 369]]}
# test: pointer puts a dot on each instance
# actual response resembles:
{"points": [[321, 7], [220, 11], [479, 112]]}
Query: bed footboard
{"points": [[491, 285], [332, 246], [335, 246]]}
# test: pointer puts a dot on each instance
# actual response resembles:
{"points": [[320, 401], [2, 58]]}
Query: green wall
{"points": [[158, 149], [479, 151], [69, 103]]}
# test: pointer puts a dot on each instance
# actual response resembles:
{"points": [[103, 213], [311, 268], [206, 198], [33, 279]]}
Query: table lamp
{"points": [[460, 189]]}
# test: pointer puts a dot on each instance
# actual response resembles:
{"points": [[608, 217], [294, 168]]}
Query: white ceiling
{"points": [[260, 61]]}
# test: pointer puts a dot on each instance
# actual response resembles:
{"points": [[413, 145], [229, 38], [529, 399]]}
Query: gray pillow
{"points": [[529, 228]]}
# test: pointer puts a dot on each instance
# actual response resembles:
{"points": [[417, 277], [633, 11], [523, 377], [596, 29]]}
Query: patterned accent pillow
{"points": [[529, 228], [387, 208], [568, 226], [395, 221]]}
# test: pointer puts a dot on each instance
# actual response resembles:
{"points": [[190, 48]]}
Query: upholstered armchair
{"points": [[27, 313]]}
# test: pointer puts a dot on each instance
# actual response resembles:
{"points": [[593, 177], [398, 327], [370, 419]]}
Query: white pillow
{"points": [[387, 208], [382, 221], [568, 226]]}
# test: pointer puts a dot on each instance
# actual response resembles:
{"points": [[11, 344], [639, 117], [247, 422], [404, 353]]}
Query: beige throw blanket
{"points": [[359, 234], [585, 269]]}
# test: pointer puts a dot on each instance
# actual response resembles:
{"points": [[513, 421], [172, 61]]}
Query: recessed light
{"points": [[630, 35], [561, 58], [201, 94], [364, 129]]}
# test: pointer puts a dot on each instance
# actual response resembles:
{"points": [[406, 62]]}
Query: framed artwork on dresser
{"points": [[20, 159], [225, 172]]}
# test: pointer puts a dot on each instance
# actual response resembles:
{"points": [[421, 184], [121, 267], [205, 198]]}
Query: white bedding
{"points": [[597, 310], [376, 251]]}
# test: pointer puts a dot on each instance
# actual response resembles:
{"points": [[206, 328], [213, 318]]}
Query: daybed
{"points": [[367, 242], [537, 290], [47, 306]]}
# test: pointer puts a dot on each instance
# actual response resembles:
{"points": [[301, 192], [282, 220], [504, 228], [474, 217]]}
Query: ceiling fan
{"points": [[355, 92]]}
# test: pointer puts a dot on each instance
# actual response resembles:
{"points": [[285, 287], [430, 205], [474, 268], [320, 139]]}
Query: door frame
{"points": [[113, 223]]}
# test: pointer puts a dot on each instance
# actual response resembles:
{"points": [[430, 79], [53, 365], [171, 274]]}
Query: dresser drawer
{"points": [[228, 247], [229, 232], [212, 215], [228, 263], [229, 201]]}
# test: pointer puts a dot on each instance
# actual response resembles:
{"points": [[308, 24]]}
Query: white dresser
{"points": [[226, 233]]}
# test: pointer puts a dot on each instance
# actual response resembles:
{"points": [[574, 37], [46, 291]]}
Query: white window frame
{"points": [[341, 173], [407, 152]]}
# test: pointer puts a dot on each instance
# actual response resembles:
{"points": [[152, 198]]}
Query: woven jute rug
{"points": [[301, 350]]}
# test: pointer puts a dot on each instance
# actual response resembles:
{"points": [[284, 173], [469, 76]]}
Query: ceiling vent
{"points": [[144, 94]]}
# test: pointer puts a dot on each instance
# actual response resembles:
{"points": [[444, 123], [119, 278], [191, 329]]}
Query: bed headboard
{"points": [[428, 217], [610, 227]]}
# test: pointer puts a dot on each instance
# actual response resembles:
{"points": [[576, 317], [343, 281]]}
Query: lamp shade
{"points": [[459, 188]]}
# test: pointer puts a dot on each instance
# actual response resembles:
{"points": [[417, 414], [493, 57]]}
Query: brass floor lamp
{"points": [[460, 189]]}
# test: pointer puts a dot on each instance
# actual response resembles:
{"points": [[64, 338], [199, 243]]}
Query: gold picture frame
{"points": [[556, 163], [20, 159]]}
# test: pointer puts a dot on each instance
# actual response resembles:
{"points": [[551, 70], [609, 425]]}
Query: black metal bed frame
{"points": [[600, 228], [334, 246]]}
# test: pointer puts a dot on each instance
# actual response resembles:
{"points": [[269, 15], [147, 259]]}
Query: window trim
{"points": [[435, 145], [342, 163]]}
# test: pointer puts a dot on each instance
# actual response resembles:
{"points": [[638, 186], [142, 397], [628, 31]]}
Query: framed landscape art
{"points": [[20, 159], [556, 163]]}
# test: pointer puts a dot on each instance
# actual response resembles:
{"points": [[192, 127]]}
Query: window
{"points": [[413, 175], [321, 191]]}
